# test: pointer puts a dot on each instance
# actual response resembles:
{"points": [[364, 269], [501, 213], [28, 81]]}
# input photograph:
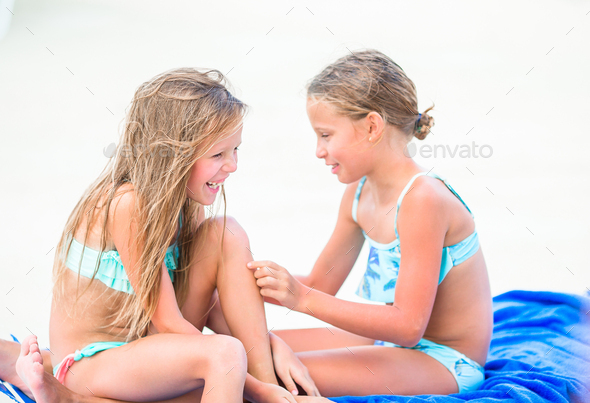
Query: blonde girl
{"points": [[432, 333], [139, 267]]}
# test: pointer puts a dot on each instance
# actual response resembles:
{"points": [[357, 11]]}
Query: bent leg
{"points": [[370, 370], [44, 388], [321, 338], [162, 367], [239, 296]]}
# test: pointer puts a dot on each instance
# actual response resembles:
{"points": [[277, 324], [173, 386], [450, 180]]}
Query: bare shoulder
{"points": [[425, 205], [123, 200], [434, 190], [89, 229], [120, 210], [432, 200], [427, 193]]}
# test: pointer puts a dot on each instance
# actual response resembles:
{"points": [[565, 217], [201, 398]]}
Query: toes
{"points": [[26, 345], [34, 347], [36, 356]]}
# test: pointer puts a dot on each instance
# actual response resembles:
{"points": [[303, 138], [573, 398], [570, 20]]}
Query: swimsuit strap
{"points": [[401, 197], [355, 202], [408, 188]]}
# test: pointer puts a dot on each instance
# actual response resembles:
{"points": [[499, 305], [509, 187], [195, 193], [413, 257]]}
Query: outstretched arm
{"points": [[422, 227], [338, 256]]}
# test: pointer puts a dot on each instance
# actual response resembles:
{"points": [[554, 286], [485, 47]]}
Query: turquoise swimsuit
{"points": [[111, 273], [110, 270], [379, 281]]}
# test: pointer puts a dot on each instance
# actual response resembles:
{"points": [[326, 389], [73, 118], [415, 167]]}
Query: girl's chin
{"points": [[203, 201], [346, 179]]}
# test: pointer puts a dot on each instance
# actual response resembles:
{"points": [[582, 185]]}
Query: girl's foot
{"points": [[41, 385], [311, 399], [9, 352]]}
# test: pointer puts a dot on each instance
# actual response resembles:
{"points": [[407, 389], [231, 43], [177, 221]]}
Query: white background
{"points": [[513, 75]]}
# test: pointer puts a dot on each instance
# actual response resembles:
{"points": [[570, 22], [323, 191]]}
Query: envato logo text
{"points": [[444, 150]]}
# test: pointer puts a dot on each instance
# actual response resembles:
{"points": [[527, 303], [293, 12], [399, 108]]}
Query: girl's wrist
{"points": [[305, 300]]}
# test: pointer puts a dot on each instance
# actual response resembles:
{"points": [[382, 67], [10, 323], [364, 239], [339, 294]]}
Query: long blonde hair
{"points": [[367, 81], [174, 119]]}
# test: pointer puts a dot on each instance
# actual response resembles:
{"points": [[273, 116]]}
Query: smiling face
{"points": [[213, 168], [341, 142]]}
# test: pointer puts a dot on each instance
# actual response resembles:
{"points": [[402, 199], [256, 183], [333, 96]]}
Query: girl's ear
{"points": [[374, 126]]}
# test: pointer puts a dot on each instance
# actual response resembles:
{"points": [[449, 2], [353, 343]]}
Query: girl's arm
{"points": [[167, 318], [422, 226], [338, 256]]}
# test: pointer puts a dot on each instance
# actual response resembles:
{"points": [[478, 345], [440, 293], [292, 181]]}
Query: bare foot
{"points": [[9, 352], [41, 385]]}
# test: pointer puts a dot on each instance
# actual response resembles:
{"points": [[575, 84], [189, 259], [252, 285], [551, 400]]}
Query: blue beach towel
{"points": [[540, 352]]}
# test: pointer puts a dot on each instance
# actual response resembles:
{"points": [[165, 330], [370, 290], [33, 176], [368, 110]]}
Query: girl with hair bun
{"points": [[432, 332]]}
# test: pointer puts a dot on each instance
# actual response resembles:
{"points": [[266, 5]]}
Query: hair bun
{"points": [[423, 125]]}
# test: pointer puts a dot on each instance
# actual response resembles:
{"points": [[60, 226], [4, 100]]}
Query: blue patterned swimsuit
{"points": [[380, 278]]}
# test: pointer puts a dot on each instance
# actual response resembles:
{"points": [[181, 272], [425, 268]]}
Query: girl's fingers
{"points": [[306, 383], [270, 293], [259, 264], [266, 271], [288, 382], [268, 282]]}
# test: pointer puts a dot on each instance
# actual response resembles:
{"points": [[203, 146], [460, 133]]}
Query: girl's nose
{"points": [[320, 151], [232, 164]]}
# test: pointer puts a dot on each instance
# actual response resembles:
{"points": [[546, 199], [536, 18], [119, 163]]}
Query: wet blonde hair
{"points": [[369, 81], [173, 120]]}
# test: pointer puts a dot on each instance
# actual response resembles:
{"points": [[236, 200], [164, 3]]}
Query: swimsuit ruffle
{"points": [[111, 271]]}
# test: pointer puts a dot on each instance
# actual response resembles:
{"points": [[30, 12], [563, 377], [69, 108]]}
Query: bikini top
{"points": [[380, 278], [110, 270]]}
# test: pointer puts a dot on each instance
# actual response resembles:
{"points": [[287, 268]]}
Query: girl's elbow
{"points": [[413, 339], [409, 336], [415, 333]]}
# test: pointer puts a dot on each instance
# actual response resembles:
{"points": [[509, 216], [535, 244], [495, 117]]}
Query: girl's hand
{"points": [[290, 369], [277, 283], [271, 393]]}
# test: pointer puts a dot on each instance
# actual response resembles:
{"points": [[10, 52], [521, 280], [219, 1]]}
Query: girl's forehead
{"points": [[235, 137], [320, 109], [323, 115]]}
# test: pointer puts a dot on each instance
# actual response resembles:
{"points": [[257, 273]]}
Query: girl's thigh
{"points": [[191, 397], [321, 338], [159, 367], [373, 370]]}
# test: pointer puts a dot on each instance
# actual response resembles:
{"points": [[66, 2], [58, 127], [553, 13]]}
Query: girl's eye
{"points": [[217, 155], [236, 149], [324, 135]]}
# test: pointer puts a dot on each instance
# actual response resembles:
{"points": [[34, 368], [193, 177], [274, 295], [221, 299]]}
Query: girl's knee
{"points": [[234, 234], [226, 351]]}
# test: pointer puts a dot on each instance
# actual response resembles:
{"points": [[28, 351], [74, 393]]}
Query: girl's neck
{"points": [[391, 172]]}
